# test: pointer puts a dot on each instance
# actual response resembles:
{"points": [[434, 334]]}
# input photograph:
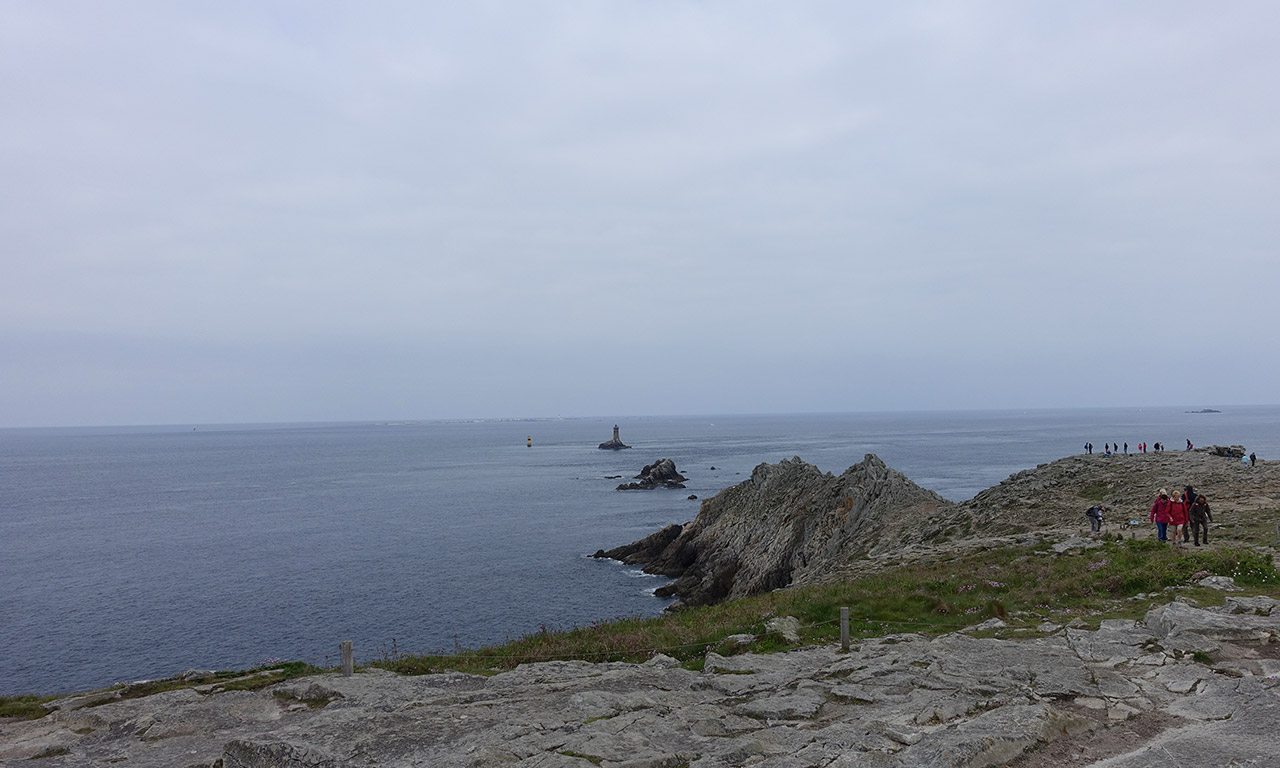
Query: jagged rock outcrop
{"points": [[615, 444], [1226, 451], [1129, 695], [792, 524], [644, 550], [786, 525], [660, 474]]}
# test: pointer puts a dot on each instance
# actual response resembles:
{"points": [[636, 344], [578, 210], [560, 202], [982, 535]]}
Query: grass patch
{"points": [[25, 707], [312, 703], [1095, 492], [1203, 658], [274, 674], [1013, 584], [50, 752], [579, 755], [226, 680]]}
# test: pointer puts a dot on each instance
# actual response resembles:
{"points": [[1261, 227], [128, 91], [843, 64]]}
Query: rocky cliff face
{"points": [[786, 525]]}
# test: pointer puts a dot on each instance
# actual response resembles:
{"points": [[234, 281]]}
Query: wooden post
{"points": [[348, 659], [844, 629]]}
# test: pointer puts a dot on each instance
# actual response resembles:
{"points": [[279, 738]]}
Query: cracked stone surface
{"points": [[1119, 696]]}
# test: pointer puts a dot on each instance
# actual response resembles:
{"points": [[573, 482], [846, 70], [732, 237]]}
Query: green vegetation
{"points": [[588, 758], [1021, 585], [1095, 492], [23, 707], [230, 680], [29, 707]]}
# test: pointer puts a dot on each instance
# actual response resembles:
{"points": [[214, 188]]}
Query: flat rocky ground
{"points": [[1130, 694]]}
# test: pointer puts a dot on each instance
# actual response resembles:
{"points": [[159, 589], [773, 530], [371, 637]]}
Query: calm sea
{"points": [[129, 553]]}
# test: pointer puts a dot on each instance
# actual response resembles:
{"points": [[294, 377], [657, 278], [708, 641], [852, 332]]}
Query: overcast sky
{"points": [[298, 211]]}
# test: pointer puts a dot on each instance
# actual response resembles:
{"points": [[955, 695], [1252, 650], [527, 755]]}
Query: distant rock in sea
{"points": [[660, 473], [1205, 410], [615, 444]]}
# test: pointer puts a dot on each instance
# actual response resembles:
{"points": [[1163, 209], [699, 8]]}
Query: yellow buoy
{"points": [[529, 441]]}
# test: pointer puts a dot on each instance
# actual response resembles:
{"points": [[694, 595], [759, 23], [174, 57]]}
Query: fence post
{"points": [[844, 629], [348, 659]]}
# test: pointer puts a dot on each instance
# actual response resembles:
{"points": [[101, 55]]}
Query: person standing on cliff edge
{"points": [[1253, 458]]}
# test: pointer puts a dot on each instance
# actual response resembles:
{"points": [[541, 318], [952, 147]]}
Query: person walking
{"points": [[1126, 447], [1094, 514], [1178, 517], [1189, 498], [1160, 515], [1253, 458], [1200, 519]]}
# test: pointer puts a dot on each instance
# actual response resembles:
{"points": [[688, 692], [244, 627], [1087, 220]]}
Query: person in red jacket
{"points": [[1160, 515], [1178, 516]]}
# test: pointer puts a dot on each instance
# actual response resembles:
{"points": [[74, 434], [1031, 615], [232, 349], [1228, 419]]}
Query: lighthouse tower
{"points": [[616, 439]]}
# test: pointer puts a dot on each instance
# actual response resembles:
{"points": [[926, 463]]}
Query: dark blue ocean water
{"points": [[129, 553]]}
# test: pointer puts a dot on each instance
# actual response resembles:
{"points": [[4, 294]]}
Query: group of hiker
{"points": [[1188, 514], [1110, 448]]}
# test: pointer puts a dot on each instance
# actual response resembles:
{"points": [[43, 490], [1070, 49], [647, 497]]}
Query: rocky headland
{"points": [[1176, 683], [792, 524], [785, 524]]}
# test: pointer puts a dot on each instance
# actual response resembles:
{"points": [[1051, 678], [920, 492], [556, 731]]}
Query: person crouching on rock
{"points": [[1160, 515], [1095, 519], [1200, 519], [1178, 517]]}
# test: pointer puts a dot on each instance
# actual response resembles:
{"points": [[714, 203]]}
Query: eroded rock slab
{"points": [[891, 702]]}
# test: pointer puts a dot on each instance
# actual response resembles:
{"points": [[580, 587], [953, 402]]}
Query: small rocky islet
{"points": [[1127, 694]]}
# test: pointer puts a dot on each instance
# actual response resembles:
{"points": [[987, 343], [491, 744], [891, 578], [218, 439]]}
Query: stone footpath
{"points": [[1186, 686]]}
